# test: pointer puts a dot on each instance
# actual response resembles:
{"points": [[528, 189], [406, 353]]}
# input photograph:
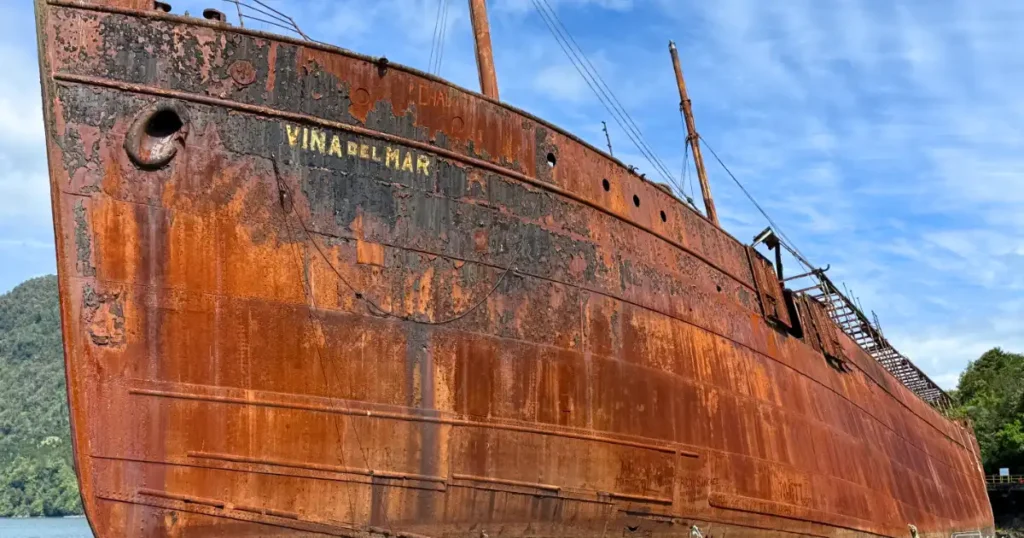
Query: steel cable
{"points": [[606, 100], [599, 80]]}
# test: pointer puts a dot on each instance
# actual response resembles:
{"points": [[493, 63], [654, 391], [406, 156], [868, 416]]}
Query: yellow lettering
{"points": [[364, 151], [318, 141], [375, 156], [293, 135], [305, 138], [423, 164], [407, 165], [335, 146], [391, 158], [353, 149]]}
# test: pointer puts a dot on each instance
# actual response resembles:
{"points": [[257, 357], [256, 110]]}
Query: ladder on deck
{"points": [[851, 319]]}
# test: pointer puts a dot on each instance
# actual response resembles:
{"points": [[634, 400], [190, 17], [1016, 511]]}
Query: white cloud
{"points": [[562, 82], [24, 183], [908, 177]]}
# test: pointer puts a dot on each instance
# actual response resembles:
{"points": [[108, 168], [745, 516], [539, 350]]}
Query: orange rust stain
{"points": [[480, 240], [357, 225], [231, 300], [361, 104], [369, 253], [59, 127], [424, 297], [434, 104], [475, 177], [271, 68]]}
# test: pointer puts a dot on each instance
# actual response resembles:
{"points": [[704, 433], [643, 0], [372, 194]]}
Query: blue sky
{"points": [[884, 137]]}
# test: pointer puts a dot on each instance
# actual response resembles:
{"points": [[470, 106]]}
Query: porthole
{"points": [[636, 200], [607, 186], [663, 217]]}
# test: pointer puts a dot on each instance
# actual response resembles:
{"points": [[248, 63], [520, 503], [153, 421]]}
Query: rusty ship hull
{"points": [[306, 292]]}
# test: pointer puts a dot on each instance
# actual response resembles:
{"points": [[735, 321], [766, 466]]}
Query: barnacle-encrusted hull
{"points": [[307, 292]]}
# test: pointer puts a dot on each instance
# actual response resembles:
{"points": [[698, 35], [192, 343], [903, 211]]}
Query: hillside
{"points": [[36, 473], [991, 393]]}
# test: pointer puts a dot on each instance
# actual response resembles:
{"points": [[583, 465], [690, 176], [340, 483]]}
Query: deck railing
{"points": [[1011, 480]]}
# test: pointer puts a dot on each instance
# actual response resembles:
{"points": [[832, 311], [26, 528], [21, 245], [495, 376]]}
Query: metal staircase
{"points": [[851, 319]]}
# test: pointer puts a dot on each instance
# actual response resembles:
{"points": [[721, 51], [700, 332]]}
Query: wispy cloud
{"points": [[908, 179]]}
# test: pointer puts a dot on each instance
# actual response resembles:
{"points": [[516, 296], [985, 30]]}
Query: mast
{"points": [[693, 138], [484, 53]]}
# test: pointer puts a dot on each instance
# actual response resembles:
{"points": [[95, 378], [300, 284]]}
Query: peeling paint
{"points": [[284, 327], [104, 317], [83, 241]]}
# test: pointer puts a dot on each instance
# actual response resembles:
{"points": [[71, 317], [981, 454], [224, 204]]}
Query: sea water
{"points": [[47, 527]]}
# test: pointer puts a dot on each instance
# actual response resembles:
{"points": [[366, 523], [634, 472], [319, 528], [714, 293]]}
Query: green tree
{"points": [[990, 393], [36, 473]]}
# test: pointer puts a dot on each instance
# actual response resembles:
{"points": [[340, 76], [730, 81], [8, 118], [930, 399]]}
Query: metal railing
{"points": [[1011, 480], [850, 318]]}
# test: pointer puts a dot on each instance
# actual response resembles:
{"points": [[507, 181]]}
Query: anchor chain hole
{"points": [[156, 135], [163, 124]]}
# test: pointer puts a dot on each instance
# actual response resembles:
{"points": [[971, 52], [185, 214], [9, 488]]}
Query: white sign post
{"points": [[1003, 472]]}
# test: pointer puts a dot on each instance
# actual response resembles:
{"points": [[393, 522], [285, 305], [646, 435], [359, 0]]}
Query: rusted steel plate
{"points": [[336, 310], [769, 289], [819, 329]]}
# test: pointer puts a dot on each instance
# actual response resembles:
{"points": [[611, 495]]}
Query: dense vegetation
{"points": [[990, 393], [36, 473]]}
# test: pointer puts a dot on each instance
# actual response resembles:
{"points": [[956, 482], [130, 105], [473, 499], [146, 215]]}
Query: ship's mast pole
{"points": [[693, 138], [484, 53]]}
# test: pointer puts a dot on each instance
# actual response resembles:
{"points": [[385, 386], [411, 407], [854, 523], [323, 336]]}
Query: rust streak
{"points": [[404, 417]]}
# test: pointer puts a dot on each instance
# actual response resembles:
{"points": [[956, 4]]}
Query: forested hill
{"points": [[36, 473], [991, 393]]}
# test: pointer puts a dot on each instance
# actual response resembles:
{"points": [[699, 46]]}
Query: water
{"points": [[72, 527]]}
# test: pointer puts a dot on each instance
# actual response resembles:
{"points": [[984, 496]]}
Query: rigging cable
{"points": [[576, 58], [614, 100], [311, 308], [279, 19], [433, 40], [852, 303], [788, 243], [442, 34], [688, 196], [602, 94], [685, 173]]}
